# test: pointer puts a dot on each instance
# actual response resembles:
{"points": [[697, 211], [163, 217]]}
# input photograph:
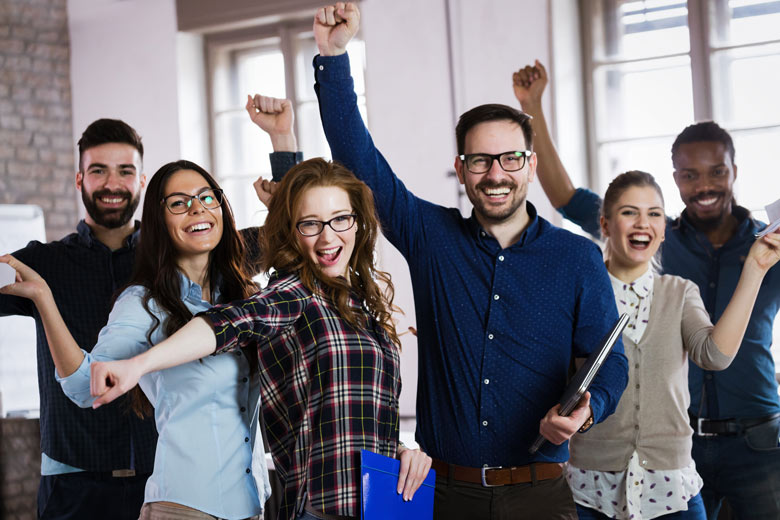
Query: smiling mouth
{"points": [[199, 227], [328, 257], [640, 241], [112, 200], [707, 201], [496, 192]]}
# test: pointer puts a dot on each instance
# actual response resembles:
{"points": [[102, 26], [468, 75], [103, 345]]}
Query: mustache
{"points": [[109, 193], [707, 195]]}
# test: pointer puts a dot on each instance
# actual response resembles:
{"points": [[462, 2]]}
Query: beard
{"points": [[493, 213], [711, 223], [110, 218]]}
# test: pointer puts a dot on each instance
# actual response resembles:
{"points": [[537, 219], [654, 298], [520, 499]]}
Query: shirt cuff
{"points": [[76, 385], [281, 162], [331, 67]]}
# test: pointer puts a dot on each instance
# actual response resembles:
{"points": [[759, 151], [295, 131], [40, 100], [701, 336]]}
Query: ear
{"points": [[142, 180], [79, 180], [459, 170], [532, 162], [604, 228], [734, 167]]}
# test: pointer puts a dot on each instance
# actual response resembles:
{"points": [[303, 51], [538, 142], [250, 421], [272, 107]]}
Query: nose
{"points": [[327, 233], [196, 206], [642, 221], [495, 169], [113, 181]]}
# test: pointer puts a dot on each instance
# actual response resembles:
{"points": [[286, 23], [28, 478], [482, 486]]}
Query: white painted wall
{"points": [[123, 66]]}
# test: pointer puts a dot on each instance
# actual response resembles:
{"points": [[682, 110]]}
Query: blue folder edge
{"points": [[378, 497]]}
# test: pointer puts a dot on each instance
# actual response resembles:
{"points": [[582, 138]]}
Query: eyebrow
{"points": [[200, 190], [334, 214], [637, 207], [101, 165]]}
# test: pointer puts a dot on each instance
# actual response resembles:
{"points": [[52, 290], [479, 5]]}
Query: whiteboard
{"points": [[19, 223]]}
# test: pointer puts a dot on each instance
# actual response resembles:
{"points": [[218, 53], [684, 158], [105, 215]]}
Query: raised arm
{"points": [[529, 83], [732, 324], [65, 351]]}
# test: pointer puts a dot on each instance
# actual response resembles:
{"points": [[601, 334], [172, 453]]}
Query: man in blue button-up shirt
{"points": [[504, 301], [735, 413]]}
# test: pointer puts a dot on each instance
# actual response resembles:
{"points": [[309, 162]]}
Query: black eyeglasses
{"points": [[178, 203], [339, 224], [482, 162]]}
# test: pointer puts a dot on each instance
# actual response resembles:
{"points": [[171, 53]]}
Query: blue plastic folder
{"points": [[378, 497]]}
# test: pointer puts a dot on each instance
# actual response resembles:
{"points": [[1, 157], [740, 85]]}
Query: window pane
{"points": [[242, 148], [247, 209], [736, 22], [755, 187], [649, 155], [306, 49], [639, 29], [643, 99], [746, 83], [260, 73]]}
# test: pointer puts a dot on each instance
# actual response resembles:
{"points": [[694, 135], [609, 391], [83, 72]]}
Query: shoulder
{"points": [[286, 287], [567, 241], [671, 284]]}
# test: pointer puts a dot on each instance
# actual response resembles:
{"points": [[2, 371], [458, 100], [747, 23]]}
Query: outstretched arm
{"points": [[112, 379], [65, 351], [732, 324], [529, 83]]}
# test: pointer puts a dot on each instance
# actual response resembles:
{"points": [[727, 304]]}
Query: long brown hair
{"points": [[283, 252], [156, 268]]}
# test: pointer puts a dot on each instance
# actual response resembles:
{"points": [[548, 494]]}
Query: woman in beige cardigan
{"points": [[637, 463]]}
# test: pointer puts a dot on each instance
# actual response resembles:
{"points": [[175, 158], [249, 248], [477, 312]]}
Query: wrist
{"points": [[332, 52], [284, 142]]}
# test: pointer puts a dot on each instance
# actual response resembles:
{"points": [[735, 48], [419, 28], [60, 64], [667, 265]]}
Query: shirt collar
{"points": [[745, 223], [486, 239], [191, 291], [641, 285], [87, 238]]}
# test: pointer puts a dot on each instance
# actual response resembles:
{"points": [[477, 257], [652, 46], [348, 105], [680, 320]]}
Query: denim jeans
{"points": [[695, 512], [743, 469]]}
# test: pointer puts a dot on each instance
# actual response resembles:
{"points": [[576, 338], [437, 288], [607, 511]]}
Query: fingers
{"points": [[415, 466], [267, 104], [106, 398], [406, 462], [351, 15], [540, 69]]}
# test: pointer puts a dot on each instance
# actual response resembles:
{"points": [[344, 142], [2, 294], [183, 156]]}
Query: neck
{"points": [[717, 232], [626, 273], [113, 238], [196, 269], [506, 231]]}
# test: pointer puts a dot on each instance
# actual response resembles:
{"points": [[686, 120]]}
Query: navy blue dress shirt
{"points": [[497, 328], [747, 388]]}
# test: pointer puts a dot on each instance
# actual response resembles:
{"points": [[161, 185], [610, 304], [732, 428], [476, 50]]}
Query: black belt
{"points": [[728, 427]]}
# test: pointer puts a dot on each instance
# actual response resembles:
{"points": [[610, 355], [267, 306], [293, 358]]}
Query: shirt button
{"points": [[708, 376], [712, 285], [496, 297], [487, 381], [242, 409], [637, 407], [636, 366], [482, 233], [245, 379], [637, 386], [484, 423], [501, 258], [246, 439], [321, 67], [248, 470], [238, 352], [636, 426], [490, 336], [644, 463]]}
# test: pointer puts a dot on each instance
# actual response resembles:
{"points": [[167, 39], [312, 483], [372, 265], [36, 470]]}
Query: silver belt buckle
{"points": [[123, 473], [699, 422], [484, 482]]}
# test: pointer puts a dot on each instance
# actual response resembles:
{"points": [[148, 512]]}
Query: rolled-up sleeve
{"points": [[123, 337]]}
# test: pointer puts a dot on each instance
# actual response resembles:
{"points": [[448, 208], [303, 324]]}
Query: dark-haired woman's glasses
{"points": [[178, 203], [339, 224], [482, 162]]}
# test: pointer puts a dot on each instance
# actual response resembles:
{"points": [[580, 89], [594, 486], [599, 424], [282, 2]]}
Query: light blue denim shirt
{"points": [[206, 413]]}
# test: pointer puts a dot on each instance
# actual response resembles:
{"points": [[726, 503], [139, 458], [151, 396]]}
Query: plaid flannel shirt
{"points": [[328, 389]]}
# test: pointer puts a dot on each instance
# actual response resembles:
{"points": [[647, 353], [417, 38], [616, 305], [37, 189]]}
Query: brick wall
{"points": [[36, 137], [20, 467]]}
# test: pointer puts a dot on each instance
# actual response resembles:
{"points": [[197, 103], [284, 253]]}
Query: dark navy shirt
{"points": [[83, 275], [497, 328], [747, 388]]}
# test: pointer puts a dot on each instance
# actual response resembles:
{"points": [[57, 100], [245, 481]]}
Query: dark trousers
{"points": [[87, 495], [548, 499], [743, 469]]}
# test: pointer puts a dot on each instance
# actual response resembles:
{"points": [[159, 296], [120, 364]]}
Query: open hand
{"points": [[558, 429], [529, 83], [334, 27], [29, 284], [415, 465]]}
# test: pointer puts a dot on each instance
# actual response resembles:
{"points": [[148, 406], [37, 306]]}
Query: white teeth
{"points": [[496, 191], [640, 238], [707, 202], [112, 201], [329, 251], [199, 227]]}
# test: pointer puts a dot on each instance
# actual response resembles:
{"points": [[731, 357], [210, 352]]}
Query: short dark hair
{"points": [[706, 131], [492, 112], [105, 131]]}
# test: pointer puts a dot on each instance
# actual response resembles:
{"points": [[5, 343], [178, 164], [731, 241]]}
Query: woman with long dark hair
{"points": [[189, 257], [327, 348]]}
